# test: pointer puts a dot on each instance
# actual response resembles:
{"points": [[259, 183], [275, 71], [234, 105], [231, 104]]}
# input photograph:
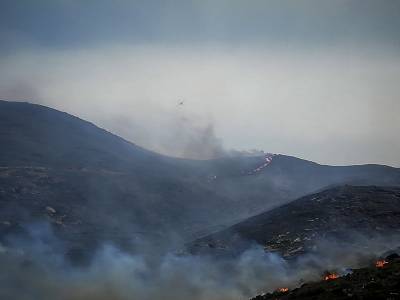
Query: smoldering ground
{"points": [[35, 268]]}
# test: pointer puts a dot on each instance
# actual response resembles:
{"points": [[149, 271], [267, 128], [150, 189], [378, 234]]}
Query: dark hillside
{"points": [[295, 228], [371, 282], [93, 186]]}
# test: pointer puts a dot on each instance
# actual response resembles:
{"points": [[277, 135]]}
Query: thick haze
{"points": [[314, 79]]}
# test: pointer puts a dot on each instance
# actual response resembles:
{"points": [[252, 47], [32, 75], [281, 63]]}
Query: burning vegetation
{"points": [[381, 263], [379, 281], [330, 276]]}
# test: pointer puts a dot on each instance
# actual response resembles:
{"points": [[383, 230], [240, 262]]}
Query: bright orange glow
{"points": [[331, 276], [381, 263], [283, 290]]}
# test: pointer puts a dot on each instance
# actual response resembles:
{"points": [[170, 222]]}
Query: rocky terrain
{"points": [[380, 280], [295, 228]]}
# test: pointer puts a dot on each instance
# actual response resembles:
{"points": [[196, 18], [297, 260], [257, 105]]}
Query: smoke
{"points": [[35, 268], [197, 142], [116, 275], [335, 106]]}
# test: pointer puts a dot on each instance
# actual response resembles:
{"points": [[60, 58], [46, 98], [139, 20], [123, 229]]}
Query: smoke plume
{"points": [[38, 266]]}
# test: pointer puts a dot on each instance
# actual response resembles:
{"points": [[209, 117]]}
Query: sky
{"points": [[316, 79]]}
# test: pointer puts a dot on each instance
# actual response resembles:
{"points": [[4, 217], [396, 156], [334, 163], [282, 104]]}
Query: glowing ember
{"points": [[330, 276], [381, 263], [283, 290]]}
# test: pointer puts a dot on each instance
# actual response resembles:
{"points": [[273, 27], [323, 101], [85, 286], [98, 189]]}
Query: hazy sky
{"points": [[317, 79]]}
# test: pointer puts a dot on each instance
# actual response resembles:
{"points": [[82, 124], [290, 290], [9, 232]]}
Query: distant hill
{"points": [[93, 186], [295, 228]]}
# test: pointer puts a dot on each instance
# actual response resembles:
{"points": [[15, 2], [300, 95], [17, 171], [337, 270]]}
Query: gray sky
{"points": [[316, 79]]}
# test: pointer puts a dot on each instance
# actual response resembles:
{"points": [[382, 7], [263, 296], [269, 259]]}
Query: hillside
{"points": [[93, 186], [371, 282], [339, 213]]}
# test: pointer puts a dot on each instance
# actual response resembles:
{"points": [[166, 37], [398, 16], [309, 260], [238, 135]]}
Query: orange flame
{"points": [[381, 263], [283, 290], [331, 276]]}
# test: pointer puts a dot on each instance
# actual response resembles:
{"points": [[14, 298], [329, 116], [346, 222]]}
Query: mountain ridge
{"points": [[103, 187]]}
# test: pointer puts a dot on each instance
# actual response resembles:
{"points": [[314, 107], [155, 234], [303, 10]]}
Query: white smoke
{"points": [[334, 106], [36, 269]]}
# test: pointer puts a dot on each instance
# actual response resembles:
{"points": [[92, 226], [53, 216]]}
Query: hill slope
{"points": [[93, 186], [364, 283], [295, 228]]}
